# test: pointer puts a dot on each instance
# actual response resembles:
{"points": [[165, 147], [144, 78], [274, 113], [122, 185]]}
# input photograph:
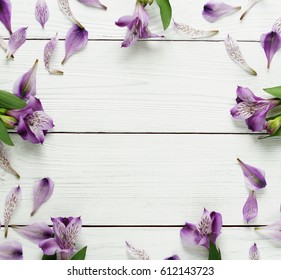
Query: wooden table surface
{"points": [[144, 139]]}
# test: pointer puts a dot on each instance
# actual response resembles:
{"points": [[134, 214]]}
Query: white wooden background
{"points": [[143, 138]]}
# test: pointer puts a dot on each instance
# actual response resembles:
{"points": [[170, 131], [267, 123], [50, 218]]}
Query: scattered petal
{"points": [[173, 258], [250, 209], [272, 231], [76, 39], [252, 3], [194, 33], [41, 12], [93, 3], [48, 52], [4, 163], [254, 253], [17, 39], [11, 203], [277, 26], [5, 14], [235, 54], [212, 10], [42, 192], [25, 86], [11, 250], [137, 253], [271, 43]]}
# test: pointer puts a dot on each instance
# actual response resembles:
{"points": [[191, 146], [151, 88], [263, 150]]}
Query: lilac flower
{"points": [[208, 229], [254, 253], [41, 12], [250, 209], [173, 258], [254, 177], [93, 3], [76, 39], [272, 231], [252, 109], [11, 250], [5, 14], [25, 86], [137, 26], [213, 10], [34, 123], [17, 39], [42, 192]]}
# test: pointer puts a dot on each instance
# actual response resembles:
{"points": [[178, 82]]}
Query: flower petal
{"points": [[245, 94], [49, 246], [277, 26], [124, 21], [11, 250], [194, 33], [233, 50], [190, 235], [76, 39], [254, 177], [11, 203], [93, 3], [25, 86], [36, 232], [271, 43], [250, 209], [48, 52], [5, 14], [252, 3], [173, 258], [17, 39], [273, 230], [216, 225], [137, 253], [42, 192], [212, 10], [254, 253], [4, 163], [41, 12]]}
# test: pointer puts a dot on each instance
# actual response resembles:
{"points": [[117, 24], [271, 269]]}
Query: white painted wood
{"points": [[159, 243], [145, 179], [155, 87], [101, 24]]}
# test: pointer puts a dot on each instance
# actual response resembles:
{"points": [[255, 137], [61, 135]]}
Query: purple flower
{"points": [[76, 39], [271, 43], [17, 39], [25, 86], [254, 253], [252, 109], [5, 14], [208, 229], [173, 258], [11, 250], [250, 209], [42, 192], [41, 12], [212, 10], [93, 3], [34, 123], [254, 177], [137, 26]]}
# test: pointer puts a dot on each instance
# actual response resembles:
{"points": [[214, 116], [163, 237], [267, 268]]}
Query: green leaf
{"points": [[4, 135], [49, 258], [10, 101], [81, 255], [275, 91], [214, 252], [166, 12]]}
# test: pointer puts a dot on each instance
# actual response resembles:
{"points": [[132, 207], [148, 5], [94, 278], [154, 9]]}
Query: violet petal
{"points": [[76, 39], [5, 14], [42, 192], [49, 246], [25, 86], [93, 3], [250, 209], [11, 250], [173, 258], [4, 162], [254, 253], [17, 39], [137, 254], [41, 12]]}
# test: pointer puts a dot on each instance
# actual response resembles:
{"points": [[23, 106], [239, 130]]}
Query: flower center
{"points": [[204, 226]]}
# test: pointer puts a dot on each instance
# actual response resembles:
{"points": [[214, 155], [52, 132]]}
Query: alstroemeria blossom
{"points": [[41, 12], [11, 250], [34, 123], [76, 39], [214, 10], [252, 109], [254, 253], [250, 209], [254, 177], [93, 3], [17, 39], [208, 229], [5, 14], [25, 86], [137, 26], [42, 192]]}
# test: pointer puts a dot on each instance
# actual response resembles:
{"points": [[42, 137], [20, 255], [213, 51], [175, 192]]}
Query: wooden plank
{"points": [[159, 243], [158, 87], [145, 179], [100, 24]]}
